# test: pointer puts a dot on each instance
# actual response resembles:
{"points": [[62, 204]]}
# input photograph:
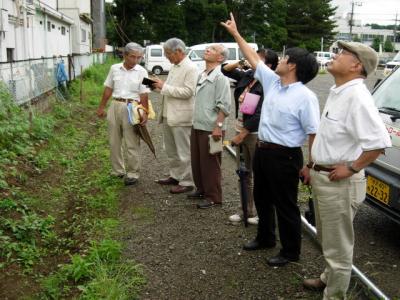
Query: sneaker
{"points": [[235, 218], [253, 220]]}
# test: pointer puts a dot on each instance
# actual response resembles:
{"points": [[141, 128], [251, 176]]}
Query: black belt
{"points": [[268, 145], [322, 168], [124, 100]]}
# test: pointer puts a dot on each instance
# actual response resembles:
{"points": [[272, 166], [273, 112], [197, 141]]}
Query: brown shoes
{"points": [[178, 189], [315, 284], [167, 181]]}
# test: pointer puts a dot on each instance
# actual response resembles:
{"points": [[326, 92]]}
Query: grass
{"points": [[58, 205]]}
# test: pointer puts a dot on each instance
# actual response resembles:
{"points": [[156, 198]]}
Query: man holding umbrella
{"points": [[124, 84]]}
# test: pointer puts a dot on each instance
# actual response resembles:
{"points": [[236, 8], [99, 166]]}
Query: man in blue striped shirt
{"points": [[289, 115]]}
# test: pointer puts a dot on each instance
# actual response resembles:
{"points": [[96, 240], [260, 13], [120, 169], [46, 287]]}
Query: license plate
{"points": [[378, 189]]}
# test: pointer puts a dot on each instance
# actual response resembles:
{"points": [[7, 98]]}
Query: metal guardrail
{"points": [[313, 231]]}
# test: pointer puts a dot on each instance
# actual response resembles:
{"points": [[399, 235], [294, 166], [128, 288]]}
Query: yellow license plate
{"points": [[378, 189]]}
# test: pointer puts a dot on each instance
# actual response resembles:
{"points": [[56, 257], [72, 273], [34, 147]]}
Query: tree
{"points": [[388, 46], [375, 43], [308, 21]]}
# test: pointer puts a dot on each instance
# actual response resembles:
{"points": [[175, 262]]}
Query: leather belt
{"points": [[124, 100], [268, 145], [322, 168]]}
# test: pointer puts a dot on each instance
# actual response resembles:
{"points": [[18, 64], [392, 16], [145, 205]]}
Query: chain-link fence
{"points": [[28, 79]]}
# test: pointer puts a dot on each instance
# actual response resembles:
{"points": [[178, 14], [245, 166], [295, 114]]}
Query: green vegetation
{"points": [[58, 204], [269, 23]]}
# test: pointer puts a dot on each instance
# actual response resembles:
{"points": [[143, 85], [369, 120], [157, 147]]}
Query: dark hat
{"points": [[367, 55]]}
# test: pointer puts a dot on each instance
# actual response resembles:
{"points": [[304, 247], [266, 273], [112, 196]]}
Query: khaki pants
{"points": [[336, 203], [177, 147], [248, 148], [121, 133]]}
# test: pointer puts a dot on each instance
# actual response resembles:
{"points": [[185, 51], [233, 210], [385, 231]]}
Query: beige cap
{"points": [[367, 55]]}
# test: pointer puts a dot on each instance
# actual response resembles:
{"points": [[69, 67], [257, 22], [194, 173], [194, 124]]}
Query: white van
{"points": [[323, 57], [155, 60], [196, 53], [390, 65]]}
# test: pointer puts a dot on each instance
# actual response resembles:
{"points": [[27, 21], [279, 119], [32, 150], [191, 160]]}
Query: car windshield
{"points": [[397, 57], [387, 94]]}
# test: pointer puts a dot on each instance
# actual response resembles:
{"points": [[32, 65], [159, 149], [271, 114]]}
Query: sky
{"points": [[371, 11]]}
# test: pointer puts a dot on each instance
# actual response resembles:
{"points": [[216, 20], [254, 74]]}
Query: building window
{"points": [[10, 54], [48, 26], [53, 26], [83, 35], [62, 30]]}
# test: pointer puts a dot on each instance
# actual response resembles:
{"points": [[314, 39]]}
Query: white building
{"points": [[33, 29], [364, 33], [80, 12]]}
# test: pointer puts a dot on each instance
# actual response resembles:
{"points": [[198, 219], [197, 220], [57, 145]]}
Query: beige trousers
{"points": [[248, 148], [177, 147], [121, 135], [336, 203]]}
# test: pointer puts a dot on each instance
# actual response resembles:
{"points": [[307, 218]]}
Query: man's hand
{"points": [[305, 174], [217, 133], [101, 113], [159, 83], [230, 25], [340, 172], [143, 117]]}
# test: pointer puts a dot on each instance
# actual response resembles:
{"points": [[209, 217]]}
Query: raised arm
{"points": [[251, 55]]}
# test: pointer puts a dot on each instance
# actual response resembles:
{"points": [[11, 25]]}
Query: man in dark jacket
{"points": [[247, 124]]}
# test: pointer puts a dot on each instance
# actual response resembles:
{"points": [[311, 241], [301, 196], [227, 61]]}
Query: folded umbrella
{"points": [[243, 178], [144, 134]]}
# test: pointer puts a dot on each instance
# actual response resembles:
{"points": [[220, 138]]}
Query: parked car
{"points": [[155, 60], [196, 53], [323, 57], [383, 176], [390, 65]]}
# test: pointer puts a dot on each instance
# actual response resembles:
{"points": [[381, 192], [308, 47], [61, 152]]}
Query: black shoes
{"points": [[280, 261], [195, 195], [207, 204], [256, 245], [130, 181]]}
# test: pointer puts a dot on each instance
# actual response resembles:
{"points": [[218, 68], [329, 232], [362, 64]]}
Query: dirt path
{"points": [[188, 253]]}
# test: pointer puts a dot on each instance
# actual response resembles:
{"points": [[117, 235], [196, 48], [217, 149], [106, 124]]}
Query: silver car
{"points": [[383, 176]]}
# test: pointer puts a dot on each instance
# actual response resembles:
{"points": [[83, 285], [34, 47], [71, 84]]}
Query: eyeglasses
{"points": [[347, 52]]}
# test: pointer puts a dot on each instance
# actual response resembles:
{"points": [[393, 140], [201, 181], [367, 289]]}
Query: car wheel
{"points": [[157, 70]]}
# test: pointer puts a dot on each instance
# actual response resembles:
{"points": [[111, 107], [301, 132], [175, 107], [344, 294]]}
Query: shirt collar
{"points": [[338, 89], [289, 86], [182, 61], [135, 68]]}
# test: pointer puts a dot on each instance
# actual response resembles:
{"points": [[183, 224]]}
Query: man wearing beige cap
{"points": [[351, 136]]}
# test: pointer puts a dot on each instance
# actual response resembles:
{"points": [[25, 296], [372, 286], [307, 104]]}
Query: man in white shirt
{"points": [[177, 115], [351, 136], [124, 84]]}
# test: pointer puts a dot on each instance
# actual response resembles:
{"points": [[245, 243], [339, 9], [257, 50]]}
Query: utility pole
{"points": [[395, 31], [351, 17]]}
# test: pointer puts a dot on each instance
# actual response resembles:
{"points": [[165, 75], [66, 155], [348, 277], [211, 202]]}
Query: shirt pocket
{"points": [[281, 119], [118, 79]]}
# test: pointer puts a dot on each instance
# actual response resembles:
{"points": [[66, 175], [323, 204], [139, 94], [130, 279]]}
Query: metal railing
{"points": [[28, 79]]}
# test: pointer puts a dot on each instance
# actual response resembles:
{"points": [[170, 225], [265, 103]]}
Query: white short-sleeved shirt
{"points": [[350, 124], [289, 113], [125, 83]]}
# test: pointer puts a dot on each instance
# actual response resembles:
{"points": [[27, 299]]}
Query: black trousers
{"points": [[276, 179]]}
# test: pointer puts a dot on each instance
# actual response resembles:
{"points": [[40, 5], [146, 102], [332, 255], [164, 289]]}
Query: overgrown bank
{"points": [[58, 204]]}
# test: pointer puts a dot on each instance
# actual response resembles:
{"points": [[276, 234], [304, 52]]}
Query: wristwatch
{"points": [[219, 124]]}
